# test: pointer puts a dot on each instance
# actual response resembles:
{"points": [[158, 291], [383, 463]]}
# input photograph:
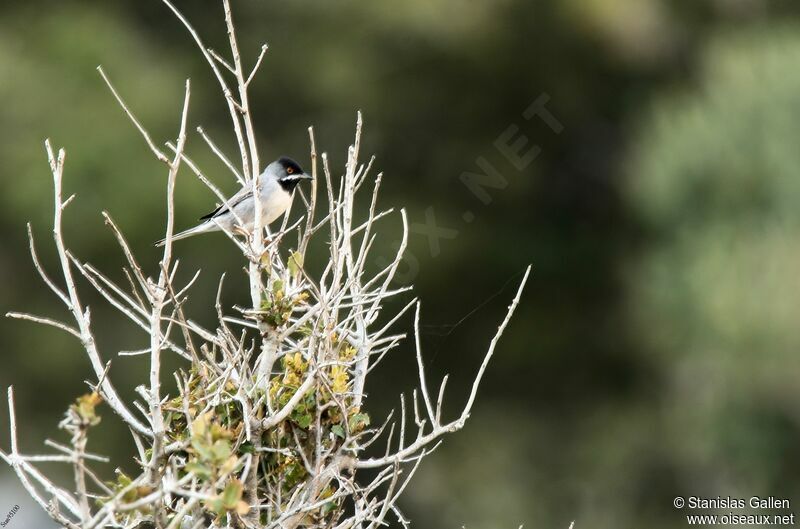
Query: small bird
{"points": [[276, 185]]}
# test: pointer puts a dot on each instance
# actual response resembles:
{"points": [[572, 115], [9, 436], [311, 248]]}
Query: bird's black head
{"points": [[289, 173]]}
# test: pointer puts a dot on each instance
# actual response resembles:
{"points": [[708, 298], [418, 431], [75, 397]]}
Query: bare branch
{"points": [[237, 127], [44, 321], [271, 416], [156, 151], [250, 77], [81, 316]]}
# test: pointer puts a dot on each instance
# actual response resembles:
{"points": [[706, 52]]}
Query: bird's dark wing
{"points": [[234, 201], [213, 213]]}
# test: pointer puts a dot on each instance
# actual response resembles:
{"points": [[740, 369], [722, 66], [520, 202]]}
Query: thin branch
{"points": [[216, 150], [237, 127], [81, 317], [421, 368], [261, 55], [45, 321], [424, 440], [156, 151]]}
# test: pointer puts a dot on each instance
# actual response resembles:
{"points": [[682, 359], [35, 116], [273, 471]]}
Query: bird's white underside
{"points": [[275, 200]]}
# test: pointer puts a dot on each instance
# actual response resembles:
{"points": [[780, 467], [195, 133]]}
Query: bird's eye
{"points": [[289, 170]]}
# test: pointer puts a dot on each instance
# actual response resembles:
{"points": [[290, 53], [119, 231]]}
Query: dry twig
{"points": [[267, 427]]}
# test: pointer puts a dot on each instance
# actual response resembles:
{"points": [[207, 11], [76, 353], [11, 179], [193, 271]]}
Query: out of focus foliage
{"points": [[653, 354], [49, 88], [716, 178]]}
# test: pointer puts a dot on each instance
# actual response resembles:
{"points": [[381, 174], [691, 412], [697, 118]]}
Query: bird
{"points": [[276, 184]]}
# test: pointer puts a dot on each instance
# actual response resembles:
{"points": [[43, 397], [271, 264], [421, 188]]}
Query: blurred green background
{"points": [[655, 351]]}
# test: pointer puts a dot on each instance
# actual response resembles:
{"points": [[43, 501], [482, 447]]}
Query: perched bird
{"points": [[276, 185]]}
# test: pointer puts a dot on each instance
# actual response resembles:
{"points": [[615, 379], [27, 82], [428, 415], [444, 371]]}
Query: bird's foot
{"points": [[238, 230]]}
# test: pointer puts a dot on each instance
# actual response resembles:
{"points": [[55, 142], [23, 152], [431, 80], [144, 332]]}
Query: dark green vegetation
{"points": [[655, 351]]}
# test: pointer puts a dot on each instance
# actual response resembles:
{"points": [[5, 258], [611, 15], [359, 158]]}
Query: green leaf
{"points": [[202, 448], [359, 421], [232, 494], [221, 450], [216, 505], [295, 263], [200, 425], [122, 480], [198, 469], [338, 430], [303, 420], [85, 406], [220, 432]]}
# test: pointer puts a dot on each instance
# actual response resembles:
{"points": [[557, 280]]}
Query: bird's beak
{"points": [[306, 176]]}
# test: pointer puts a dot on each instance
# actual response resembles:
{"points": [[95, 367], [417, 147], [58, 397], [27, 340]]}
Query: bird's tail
{"points": [[201, 228]]}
